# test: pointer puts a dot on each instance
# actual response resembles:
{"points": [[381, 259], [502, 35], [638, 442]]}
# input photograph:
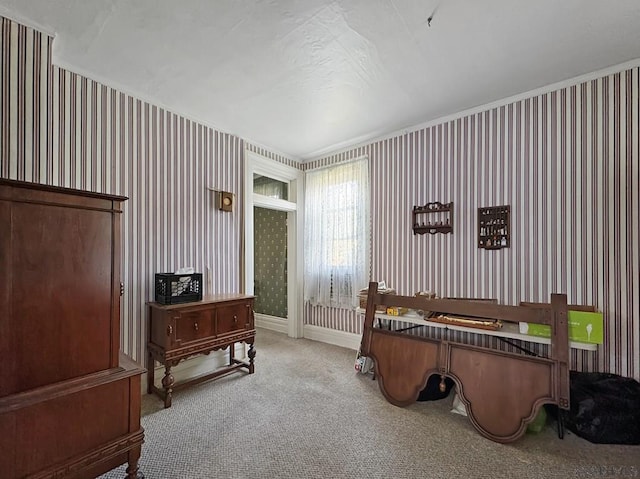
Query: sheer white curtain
{"points": [[337, 226]]}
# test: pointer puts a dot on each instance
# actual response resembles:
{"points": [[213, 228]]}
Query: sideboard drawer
{"points": [[233, 317], [193, 325]]}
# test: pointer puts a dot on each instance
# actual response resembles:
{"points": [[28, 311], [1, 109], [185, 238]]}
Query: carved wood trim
{"points": [[403, 365], [68, 387], [74, 466]]}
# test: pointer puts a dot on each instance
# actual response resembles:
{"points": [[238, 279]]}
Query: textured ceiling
{"points": [[306, 77]]}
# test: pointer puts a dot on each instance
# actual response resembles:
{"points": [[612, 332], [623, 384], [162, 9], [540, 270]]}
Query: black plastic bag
{"points": [[604, 408]]}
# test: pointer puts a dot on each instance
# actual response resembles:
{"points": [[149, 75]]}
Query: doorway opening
{"points": [[270, 262], [273, 212]]}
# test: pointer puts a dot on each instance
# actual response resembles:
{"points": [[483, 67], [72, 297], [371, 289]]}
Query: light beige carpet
{"points": [[305, 413]]}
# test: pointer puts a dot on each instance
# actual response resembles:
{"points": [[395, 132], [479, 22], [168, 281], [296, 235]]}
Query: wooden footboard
{"points": [[502, 391]]}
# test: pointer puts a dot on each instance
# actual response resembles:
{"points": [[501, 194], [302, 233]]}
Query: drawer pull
{"points": [[195, 325], [235, 319], [169, 330]]}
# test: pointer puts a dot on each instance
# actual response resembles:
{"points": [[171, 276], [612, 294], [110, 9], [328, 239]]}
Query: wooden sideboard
{"points": [[502, 391], [69, 400], [179, 331]]}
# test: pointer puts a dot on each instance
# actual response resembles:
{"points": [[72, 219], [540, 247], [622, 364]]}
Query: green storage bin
{"points": [[584, 327]]}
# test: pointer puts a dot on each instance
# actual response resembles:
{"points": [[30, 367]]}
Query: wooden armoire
{"points": [[69, 400]]}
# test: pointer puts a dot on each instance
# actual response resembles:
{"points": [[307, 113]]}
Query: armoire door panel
{"points": [[63, 293]]}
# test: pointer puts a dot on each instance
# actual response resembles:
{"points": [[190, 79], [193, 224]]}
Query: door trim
{"points": [[255, 163]]}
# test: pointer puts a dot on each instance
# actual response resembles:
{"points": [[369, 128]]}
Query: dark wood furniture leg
{"points": [[133, 471], [252, 355], [167, 384], [232, 353]]}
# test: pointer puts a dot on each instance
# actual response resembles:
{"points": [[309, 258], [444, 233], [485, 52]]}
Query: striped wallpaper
{"points": [[60, 128], [273, 156], [567, 163]]}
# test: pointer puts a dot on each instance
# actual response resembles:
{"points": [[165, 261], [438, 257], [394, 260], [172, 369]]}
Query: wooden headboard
{"points": [[502, 391]]}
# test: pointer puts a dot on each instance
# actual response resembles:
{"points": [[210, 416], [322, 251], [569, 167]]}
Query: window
{"points": [[337, 234], [266, 186]]}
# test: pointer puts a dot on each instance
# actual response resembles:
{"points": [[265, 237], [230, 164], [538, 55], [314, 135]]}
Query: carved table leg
{"points": [[132, 458], [133, 471], [167, 384], [252, 354], [232, 353]]}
